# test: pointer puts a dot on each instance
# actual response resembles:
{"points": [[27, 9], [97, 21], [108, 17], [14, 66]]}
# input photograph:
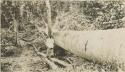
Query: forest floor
{"points": [[30, 62]]}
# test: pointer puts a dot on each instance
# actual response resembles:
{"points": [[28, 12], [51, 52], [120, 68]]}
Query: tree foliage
{"points": [[27, 16]]}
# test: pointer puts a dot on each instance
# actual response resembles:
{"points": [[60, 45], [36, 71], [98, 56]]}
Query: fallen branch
{"points": [[60, 62], [51, 61], [51, 64]]}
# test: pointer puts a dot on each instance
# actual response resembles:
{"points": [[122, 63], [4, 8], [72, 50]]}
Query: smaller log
{"points": [[51, 64], [50, 61]]}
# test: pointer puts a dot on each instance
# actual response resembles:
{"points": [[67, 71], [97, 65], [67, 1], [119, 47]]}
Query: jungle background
{"points": [[21, 22]]}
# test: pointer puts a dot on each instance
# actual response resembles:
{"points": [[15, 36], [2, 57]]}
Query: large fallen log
{"points": [[102, 45]]}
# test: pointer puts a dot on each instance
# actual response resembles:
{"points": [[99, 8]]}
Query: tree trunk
{"points": [[102, 45], [49, 17]]}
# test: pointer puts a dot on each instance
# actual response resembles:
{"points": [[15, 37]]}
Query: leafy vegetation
{"points": [[20, 22]]}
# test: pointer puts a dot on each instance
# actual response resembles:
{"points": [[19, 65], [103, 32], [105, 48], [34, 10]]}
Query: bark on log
{"points": [[102, 45]]}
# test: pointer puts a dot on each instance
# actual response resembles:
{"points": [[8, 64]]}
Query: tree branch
{"points": [[50, 61]]}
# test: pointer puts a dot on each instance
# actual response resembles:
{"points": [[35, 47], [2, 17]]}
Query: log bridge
{"points": [[100, 45]]}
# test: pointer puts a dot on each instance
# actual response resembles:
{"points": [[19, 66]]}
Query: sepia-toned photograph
{"points": [[62, 35]]}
